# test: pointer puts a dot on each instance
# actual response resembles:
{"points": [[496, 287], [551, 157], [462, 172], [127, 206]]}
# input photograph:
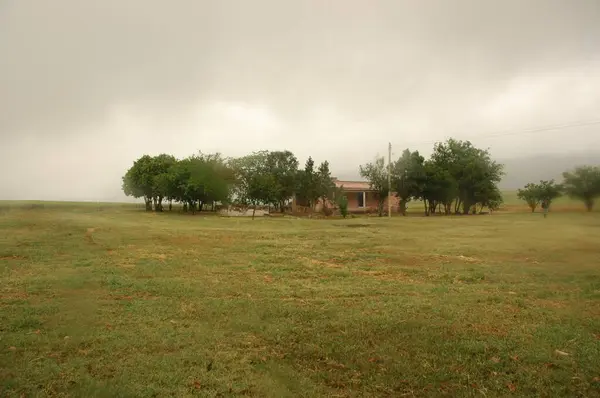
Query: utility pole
{"points": [[390, 180]]}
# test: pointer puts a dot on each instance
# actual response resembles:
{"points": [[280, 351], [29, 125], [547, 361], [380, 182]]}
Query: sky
{"points": [[86, 87]]}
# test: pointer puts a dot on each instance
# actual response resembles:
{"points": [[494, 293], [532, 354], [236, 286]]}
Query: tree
{"points": [[475, 173], [198, 180], [583, 183], [325, 186], [548, 191], [160, 170], [308, 184], [490, 197], [283, 167], [376, 173], [437, 187], [254, 184], [142, 179], [343, 205], [531, 194], [407, 174]]}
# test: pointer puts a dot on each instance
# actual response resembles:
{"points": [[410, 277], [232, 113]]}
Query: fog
{"points": [[86, 87]]}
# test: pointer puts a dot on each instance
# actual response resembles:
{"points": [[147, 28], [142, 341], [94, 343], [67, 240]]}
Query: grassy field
{"points": [[109, 301]]}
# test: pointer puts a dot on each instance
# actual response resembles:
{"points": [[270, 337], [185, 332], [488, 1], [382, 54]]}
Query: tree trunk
{"points": [[589, 204], [457, 205], [253, 211], [426, 208], [466, 207], [159, 204], [403, 206], [200, 205], [148, 203]]}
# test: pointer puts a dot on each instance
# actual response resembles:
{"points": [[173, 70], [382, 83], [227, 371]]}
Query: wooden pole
{"points": [[390, 180]]}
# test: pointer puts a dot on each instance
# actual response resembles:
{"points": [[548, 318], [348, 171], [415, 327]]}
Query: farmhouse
{"points": [[361, 198]]}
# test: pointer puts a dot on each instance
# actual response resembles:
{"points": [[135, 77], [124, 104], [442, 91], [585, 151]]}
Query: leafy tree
{"points": [[376, 173], [475, 173], [135, 182], [160, 170], [407, 176], [531, 194], [343, 205], [308, 184], [325, 185], [141, 180], [218, 179], [489, 197], [583, 183], [283, 167], [437, 188], [254, 184], [198, 180], [548, 191]]}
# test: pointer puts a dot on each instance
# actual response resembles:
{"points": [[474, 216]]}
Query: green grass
{"points": [[111, 301]]}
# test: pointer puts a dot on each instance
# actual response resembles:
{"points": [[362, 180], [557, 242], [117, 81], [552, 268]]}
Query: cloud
{"points": [[92, 85]]}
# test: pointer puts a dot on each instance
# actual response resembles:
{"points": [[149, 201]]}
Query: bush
{"points": [[343, 204]]}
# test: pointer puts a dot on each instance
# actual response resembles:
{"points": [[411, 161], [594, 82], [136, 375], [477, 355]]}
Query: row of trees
{"points": [[457, 178], [262, 178], [583, 184]]}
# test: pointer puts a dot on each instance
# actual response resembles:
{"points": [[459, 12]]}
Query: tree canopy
{"points": [[261, 178], [458, 177], [583, 183], [376, 173]]}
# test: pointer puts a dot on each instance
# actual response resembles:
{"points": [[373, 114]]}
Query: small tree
{"points": [[325, 185], [308, 184], [254, 184], [530, 194], [583, 183], [283, 167], [376, 173], [437, 188], [407, 173], [343, 205], [548, 191]]}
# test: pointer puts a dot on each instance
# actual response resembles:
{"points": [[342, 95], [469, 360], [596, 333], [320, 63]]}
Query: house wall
{"points": [[370, 203]]}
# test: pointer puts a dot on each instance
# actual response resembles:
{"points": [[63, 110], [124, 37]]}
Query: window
{"points": [[360, 198]]}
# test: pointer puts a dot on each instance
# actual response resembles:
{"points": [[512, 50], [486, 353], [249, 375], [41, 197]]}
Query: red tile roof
{"points": [[353, 185]]}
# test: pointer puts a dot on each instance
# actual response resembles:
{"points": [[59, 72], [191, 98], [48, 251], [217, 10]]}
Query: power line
{"points": [[519, 132]]}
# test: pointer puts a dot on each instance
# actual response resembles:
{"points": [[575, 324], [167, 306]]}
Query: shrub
{"points": [[343, 204]]}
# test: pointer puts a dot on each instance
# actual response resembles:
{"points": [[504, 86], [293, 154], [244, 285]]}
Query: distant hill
{"points": [[520, 171]]}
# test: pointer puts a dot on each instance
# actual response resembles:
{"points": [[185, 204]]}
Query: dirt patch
{"points": [[549, 303], [88, 235], [13, 257], [353, 225], [324, 263], [14, 296], [387, 276], [445, 259]]}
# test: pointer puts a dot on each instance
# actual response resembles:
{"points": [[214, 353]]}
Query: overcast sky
{"points": [[88, 86]]}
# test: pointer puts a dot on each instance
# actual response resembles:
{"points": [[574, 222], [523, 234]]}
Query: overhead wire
{"points": [[516, 132]]}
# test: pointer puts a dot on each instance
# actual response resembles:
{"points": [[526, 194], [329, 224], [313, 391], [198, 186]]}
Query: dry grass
{"points": [[111, 301]]}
